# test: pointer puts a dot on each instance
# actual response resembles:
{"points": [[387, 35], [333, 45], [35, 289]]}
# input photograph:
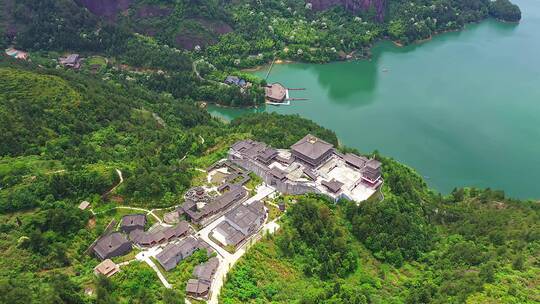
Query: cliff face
{"points": [[105, 8], [352, 5]]}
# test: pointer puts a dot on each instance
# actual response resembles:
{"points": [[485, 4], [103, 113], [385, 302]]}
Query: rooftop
{"points": [[333, 185], [109, 243], [227, 234], [83, 205], [206, 270], [159, 235], [197, 287], [355, 160], [173, 253], [373, 164], [70, 59], [312, 147], [276, 91], [131, 220], [245, 216], [106, 268]]}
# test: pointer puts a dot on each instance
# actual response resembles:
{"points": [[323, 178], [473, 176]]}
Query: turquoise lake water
{"points": [[462, 109]]}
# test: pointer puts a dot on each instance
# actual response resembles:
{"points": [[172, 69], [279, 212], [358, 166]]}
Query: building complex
{"points": [[310, 166], [240, 223]]}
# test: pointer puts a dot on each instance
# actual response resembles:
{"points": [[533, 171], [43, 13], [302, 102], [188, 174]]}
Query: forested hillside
{"points": [[68, 136], [474, 246], [233, 34], [65, 134], [188, 48]]}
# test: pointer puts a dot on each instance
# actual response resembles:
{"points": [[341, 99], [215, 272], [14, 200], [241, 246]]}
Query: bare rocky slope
{"points": [[352, 5]]}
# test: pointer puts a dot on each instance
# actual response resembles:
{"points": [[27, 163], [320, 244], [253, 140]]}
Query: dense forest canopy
{"points": [[474, 246], [65, 135], [159, 44], [412, 246]]}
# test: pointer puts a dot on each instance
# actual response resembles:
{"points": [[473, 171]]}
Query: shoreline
{"points": [[229, 107], [394, 42]]}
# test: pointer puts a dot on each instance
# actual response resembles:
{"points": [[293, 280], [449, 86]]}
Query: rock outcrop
{"points": [[105, 8], [354, 6]]}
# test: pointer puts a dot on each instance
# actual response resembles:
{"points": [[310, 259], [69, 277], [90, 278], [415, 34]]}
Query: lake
{"points": [[462, 109]]}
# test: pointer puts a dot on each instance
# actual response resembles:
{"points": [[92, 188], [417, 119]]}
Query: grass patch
{"points": [[254, 181], [96, 60], [136, 282], [128, 257], [273, 211], [179, 275]]}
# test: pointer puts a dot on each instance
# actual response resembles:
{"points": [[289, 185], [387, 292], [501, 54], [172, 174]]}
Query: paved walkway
{"points": [[227, 260], [145, 257], [119, 183], [151, 212]]}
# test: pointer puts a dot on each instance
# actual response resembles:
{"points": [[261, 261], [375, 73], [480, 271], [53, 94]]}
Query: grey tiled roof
{"points": [[71, 59], [373, 164], [234, 194], [197, 287], [245, 216], [355, 160], [172, 254], [232, 236], [158, 235], [333, 185], [312, 147], [278, 173], [133, 220], [206, 270], [311, 174], [110, 243]]}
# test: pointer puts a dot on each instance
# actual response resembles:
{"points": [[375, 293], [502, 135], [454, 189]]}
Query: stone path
{"points": [[227, 260], [144, 256]]}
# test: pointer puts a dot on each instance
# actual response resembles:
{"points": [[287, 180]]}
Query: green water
{"points": [[462, 109]]}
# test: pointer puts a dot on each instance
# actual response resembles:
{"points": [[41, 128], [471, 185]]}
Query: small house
{"points": [[132, 222], [71, 61], [197, 288], [83, 205], [17, 54], [237, 81], [106, 268], [111, 245]]}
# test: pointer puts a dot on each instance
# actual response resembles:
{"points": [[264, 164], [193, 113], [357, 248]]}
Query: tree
{"points": [[14, 291], [505, 10], [104, 288], [171, 296], [64, 290]]}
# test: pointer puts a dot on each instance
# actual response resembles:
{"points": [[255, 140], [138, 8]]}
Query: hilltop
{"points": [[414, 245]]}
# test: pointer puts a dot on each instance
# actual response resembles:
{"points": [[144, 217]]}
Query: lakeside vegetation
{"points": [[64, 135], [414, 246], [157, 43]]}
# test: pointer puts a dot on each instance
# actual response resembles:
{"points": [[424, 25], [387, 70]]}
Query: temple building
{"points": [[311, 165], [312, 150], [275, 92], [111, 245]]}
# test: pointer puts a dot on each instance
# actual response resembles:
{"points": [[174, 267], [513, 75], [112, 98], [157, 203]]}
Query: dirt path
{"points": [[119, 183], [151, 212], [145, 257], [196, 72], [228, 260]]}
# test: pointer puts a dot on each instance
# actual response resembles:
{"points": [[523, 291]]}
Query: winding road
{"points": [[227, 260]]}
